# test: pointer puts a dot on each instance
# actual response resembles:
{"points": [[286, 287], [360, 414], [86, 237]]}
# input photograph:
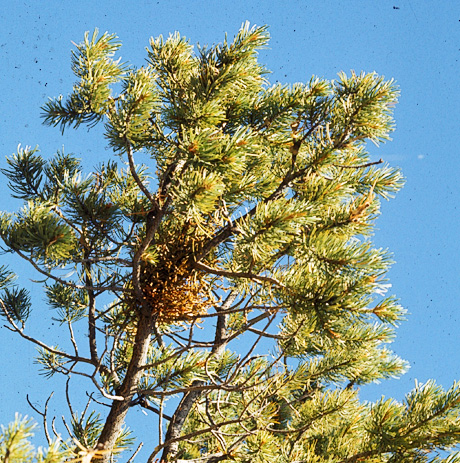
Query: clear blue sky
{"points": [[416, 42]]}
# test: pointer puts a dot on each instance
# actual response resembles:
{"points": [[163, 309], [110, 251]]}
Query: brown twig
{"points": [[230, 274], [362, 166], [43, 415], [131, 459]]}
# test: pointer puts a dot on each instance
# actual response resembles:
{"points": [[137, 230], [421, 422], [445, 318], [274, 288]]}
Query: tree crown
{"points": [[225, 258]]}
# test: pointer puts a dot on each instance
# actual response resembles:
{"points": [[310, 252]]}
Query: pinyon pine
{"points": [[217, 269]]}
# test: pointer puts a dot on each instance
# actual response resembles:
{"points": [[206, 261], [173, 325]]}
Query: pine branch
{"points": [[230, 274], [142, 187], [69, 284], [49, 349]]}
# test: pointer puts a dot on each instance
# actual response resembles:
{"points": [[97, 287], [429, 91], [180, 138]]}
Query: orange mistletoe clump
{"points": [[174, 290]]}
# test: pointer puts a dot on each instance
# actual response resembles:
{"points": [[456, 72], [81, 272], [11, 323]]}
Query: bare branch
{"points": [[132, 168], [362, 166], [214, 458], [227, 273], [65, 282], [144, 403], [58, 436], [97, 401], [266, 335], [18, 330], [43, 415], [72, 337], [69, 404], [131, 459], [160, 421], [74, 358], [95, 260]]}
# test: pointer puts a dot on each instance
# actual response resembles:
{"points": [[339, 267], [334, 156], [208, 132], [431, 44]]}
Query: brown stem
{"points": [[132, 168], [119, 409], [362, 166], [221, 326], [43, 414], [227, 273], [91, 313], [171, 447]]}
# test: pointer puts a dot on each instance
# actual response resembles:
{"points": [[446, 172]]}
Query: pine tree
{"points": [[221, 256]]}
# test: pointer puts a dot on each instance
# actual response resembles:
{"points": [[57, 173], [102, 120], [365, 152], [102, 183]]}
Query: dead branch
{"points": [[43, 415]]}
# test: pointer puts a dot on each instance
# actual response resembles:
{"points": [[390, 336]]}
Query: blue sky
{"points": [[416, 42]]}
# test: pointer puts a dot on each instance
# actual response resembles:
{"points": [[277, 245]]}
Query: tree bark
{"points": [[175, 426], [127, 390]]}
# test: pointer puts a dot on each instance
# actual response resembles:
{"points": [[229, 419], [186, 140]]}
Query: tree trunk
{"points": [[129, 387], [175, 426]]}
